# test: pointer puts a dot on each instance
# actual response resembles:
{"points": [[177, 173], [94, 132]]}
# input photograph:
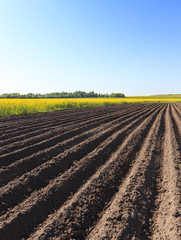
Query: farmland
{"points": [[92, 173], [26, 106]]}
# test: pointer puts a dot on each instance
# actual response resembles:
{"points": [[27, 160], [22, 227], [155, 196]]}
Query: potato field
{"points": [[100, 173]]}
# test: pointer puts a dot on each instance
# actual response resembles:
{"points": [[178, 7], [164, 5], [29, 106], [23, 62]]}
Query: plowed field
{"points": [[94, 174]]}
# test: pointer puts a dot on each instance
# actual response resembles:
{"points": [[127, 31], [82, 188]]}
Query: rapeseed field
{"points": [[26, 106]]}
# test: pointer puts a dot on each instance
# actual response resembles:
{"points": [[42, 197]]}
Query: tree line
{"points": [[77, 94]]}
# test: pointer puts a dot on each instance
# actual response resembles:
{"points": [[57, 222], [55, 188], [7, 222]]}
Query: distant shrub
{"points": [[117, 95]]}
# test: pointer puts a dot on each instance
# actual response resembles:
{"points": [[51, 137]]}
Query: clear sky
{"points": [[128, 46]]}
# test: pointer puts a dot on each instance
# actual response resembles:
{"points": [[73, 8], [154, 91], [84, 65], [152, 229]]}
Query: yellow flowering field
{"points": [[25, 106]]}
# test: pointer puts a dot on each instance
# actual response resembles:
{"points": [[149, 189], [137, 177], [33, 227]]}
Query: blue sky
{"points": [[104, 46]]}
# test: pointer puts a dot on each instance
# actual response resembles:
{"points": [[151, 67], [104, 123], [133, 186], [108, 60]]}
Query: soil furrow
{"points": [[21, 166], [95, 173], [25, 184], [60, 116], [58, 189], [76, 217], [39, 119], [128, 215], [43, 133], [167, 217], [53, 125], [24, 165], [47, 132], [26, 151], [18, 135], [43, 156]]}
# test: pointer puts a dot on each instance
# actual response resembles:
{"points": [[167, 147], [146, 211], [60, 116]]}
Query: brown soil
{"points": [[101, 173]]}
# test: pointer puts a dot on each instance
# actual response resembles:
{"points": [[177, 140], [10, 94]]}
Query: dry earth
{"points": [[100, 173]]}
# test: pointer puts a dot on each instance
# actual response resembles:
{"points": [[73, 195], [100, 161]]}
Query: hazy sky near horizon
{"points": [[133, 47]]}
